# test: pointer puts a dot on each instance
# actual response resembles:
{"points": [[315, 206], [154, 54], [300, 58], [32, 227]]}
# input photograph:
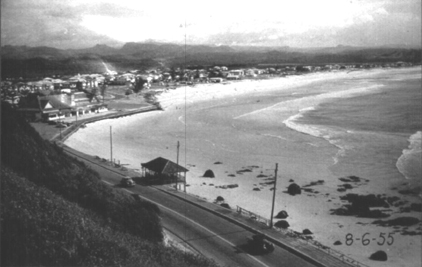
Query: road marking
{"points": [[214, 234]]}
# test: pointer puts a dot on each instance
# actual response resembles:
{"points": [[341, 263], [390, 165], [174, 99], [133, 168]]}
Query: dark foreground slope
{"points": [[57, 212]]}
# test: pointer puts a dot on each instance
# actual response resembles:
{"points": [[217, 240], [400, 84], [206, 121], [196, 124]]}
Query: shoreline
{"points": [[75, 127], [172, 107]]}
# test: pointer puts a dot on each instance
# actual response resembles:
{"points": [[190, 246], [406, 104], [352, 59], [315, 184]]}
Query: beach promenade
{"points": [[213, 225]]}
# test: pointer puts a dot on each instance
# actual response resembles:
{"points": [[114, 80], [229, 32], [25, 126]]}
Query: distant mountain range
{"points": [[36, 61]]}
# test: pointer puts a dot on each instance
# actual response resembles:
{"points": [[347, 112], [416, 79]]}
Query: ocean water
{"points": [[380, 129]]}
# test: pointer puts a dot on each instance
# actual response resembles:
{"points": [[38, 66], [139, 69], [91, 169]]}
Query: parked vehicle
{"points": [[258, 244], [127, 182]]}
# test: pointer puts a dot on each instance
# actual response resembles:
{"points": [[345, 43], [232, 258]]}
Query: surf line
{"points": [[316, 99], [256, 111]]}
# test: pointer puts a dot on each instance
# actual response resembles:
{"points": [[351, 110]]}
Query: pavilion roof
{"points": [[163, 166]]}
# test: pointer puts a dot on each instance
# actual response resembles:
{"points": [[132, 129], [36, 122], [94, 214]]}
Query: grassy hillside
{"points": [[57, 212]]}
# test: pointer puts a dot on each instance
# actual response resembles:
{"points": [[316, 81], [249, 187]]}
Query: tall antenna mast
{"points": [[185, 111]]}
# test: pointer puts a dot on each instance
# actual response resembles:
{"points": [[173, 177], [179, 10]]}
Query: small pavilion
{"points": [[164, 170]]}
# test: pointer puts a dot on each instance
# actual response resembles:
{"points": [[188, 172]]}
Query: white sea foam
{"points": [[303, 103], [326, 133], [321, 132], [411, 157]]}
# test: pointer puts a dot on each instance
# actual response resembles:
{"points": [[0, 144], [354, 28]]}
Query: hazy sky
{"points": [[295, 23]]}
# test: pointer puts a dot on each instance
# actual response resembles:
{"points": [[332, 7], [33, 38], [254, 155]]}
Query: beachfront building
{"points": [[235, 74], [162, 171], [51, 107]]}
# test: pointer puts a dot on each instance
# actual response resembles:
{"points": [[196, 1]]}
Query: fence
{"points": [[302, 238], [252, 215]]}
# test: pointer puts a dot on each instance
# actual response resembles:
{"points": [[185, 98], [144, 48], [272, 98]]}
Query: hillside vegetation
{"points": [[57, 212]]}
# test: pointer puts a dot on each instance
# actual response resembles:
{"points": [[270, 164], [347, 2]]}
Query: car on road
{"points": [[257, 244], [127, 182]]}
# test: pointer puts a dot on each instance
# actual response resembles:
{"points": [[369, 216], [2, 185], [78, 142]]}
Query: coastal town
{"points": [[57, 98]]}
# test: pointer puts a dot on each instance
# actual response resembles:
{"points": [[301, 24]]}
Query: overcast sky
{"points": [[295, 23]]}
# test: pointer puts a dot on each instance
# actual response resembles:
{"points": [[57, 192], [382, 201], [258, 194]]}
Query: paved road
{"points": [[214, 237]]}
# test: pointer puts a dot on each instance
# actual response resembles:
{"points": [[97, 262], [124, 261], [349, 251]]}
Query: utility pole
{"points": [[111, 147], [60, 124], [275, 188], [177, 161]]}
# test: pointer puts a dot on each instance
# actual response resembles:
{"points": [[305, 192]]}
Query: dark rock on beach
{"points": [[416, 206], [348, 210], [360, 206], [243, 171], [256, 189], [209, 174], [219, 199], [366, 200], [319, 182], [337, 243], [282, 215], [253, 166], [347, 186], [401, 221], [414, 191], [228, 186], [218, 162], [380, 255], [282, 224], [294, 189], [307, 232], [411, 233], [225, 205], [352, 179]]}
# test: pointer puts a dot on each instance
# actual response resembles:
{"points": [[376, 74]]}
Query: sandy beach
{"points": [[241, 129]]}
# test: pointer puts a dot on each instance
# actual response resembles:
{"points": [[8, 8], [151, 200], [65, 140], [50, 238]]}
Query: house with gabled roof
{"points": [[57, 106]]}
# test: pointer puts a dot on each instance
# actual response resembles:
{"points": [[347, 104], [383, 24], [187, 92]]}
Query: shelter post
{"points": [[275, 188]]}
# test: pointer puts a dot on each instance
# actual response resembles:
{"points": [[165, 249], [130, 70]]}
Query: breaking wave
{"points": [[318, 131], [409, 163]]}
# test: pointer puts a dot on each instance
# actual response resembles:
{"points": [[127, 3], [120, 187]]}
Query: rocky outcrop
{"points": [[282, 215], [379, 256], [294, 189], [282, 224], [209, 174]]}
